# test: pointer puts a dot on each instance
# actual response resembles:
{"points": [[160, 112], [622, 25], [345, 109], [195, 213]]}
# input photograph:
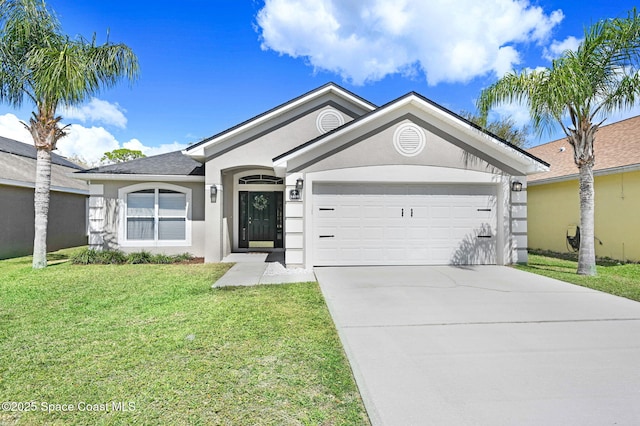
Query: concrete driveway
{"points": [[485, 345]]}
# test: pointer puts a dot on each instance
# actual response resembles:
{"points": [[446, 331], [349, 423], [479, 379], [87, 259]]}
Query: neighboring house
{"points": [[331, 179], [554, 201], [67, 209]]}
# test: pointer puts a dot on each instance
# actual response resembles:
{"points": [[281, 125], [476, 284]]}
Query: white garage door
{"points": [[379, 224]]}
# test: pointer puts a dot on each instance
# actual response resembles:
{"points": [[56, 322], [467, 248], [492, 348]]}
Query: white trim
{"points": [[397, 143], [324, 113], [198, 152], [122, 204], [402, 174], [23, 184], [601, 172], [440, 119], [136, 177], [248, 187]]}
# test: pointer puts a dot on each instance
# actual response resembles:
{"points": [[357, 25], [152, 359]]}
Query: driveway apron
{"points": [[486, 345]]}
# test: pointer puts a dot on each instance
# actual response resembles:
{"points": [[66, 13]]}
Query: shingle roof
{"points": [[172, 163], [21, 149], [616, 145], [18, 167]]}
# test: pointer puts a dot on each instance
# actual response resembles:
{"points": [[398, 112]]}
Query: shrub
{"points": [[140, 257], [183, 257], [85, 256], [89, 256], [109, 257], [163, 259]]}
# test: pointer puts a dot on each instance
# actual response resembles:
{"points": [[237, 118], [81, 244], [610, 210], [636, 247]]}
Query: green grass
{"points": [[615, 278], [159, 337]]}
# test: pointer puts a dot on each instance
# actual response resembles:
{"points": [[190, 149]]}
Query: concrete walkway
{"points": [[485, 345], [255, 269]]}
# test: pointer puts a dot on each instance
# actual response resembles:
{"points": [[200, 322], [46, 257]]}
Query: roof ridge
{"points": [[277, 107], [395, 101]]}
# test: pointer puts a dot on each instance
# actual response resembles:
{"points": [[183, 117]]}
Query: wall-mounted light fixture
{"points": [[299, 184], [214, 193], [516, 186]]}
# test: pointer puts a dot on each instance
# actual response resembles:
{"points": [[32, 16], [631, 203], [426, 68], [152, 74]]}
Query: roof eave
{"points": [[197, 151], [55, 188], [136, 177], [528, 163], [573, 176]]}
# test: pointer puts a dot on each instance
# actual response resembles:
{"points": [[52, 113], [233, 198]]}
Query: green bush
{"points": [[183, 257], [89, 256], [85, 256], [162, 258], [140, 257], [111, 257]]}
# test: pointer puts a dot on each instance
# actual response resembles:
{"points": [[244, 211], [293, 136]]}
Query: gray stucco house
{"points": [[331, 179], [67, 206]]}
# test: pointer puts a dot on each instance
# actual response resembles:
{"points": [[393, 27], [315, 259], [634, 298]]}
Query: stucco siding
{"points": [[372, 157], [66, 228], [258, 154], [553, 207], [105, 213], [378, 149], [261, 151]]}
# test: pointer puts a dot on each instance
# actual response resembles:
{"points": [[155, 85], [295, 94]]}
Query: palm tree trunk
{"points": [[41, 206], [587, 254]]}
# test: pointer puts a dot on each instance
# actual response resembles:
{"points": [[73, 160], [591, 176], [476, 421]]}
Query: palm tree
{"points": [[505, 128], [41, 64], [578, 92]]}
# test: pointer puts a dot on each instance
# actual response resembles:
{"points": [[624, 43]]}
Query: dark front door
{"points": [[260, 219]]}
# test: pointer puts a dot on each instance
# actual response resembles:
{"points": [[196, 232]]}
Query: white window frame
{"points": [[156, 187]]}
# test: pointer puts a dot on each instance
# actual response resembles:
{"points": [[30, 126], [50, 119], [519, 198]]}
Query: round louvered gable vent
{"points": [[329, 120], [409, 139]]}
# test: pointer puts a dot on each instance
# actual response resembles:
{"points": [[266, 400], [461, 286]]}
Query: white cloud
{"points": [[88, 143], [451, 41], [135, 144], [518, 113], [97, 111], [91, 144], [557, 48], [12, 128]]}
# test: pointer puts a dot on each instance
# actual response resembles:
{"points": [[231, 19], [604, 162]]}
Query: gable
{"points": [[384, 146], [329, 96], [259, 151], [450, 142]]}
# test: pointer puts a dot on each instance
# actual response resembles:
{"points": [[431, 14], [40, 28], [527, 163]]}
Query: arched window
{"points": [[260, 180], [155, 216]]}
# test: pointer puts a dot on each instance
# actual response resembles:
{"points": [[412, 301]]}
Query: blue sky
{"points": [[208, 65]]}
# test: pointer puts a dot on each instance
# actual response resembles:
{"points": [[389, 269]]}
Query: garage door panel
{"points": [[403, 224], [372, 211]]}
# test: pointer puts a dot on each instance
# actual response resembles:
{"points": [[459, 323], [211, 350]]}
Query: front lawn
{"points": [[154, 344], [619, 279]]}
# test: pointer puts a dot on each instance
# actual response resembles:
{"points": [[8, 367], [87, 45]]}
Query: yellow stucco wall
{"points": [[555, 206]]}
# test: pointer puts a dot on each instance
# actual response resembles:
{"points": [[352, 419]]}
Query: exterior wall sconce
{"points": [[214, 193], [516, 186], [299, 184]]}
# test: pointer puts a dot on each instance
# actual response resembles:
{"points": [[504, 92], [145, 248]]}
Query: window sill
{"points": [[152, 243]]}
